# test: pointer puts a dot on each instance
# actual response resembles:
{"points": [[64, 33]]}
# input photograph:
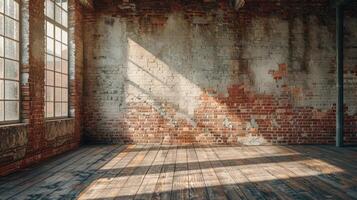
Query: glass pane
{"points": [[58, 65], [58, 95], [1, 46], [11, 49], [11, 28], [11, 90], [58, 79], [58, 33], [50, 62], [50, 9], [1, 89], [58, 2], [1, 68], [1, 24], [64, 37], [49, 109], [64, 66], [2, 6], [50, 94], [64, 109], [11, 69], [58, 14], [10, 8], [17, 10], [2, 111], [50, 31], [49, 78], [50, 46], [64, 95], [64, 52], [64, 81], [65, 5], [64, 19], [58, 110], [11, 110], [58, 49]]}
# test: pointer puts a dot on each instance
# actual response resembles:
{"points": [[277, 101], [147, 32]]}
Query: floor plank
{"points": [[213, 186], [154, 171], [180, 181], [148, 185], [164, 185], [134, 181], [103, 185], [197, 189]]}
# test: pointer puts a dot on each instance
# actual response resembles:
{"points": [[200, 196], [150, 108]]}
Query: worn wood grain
{"points": [[154, 171]]}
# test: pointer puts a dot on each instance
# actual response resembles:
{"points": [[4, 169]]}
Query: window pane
{"points": [[58, 14], [50, 93], [58, 33], [11, 110], [64, 37], [2, 6], [11, 49], [58, 110], [65, 4], [11, 69], [64, 19], [65, 95], [58, 2], [58, 94], [58, 78], [64, 109], [58, 65], [64, 52], [58, 49], [64, 66], [1, 89], [49, 30], [11, 90], [50, 78], [2, 111], [1, 46], [2, 24], [10, 8], [50, 46], [11, 28], [50, 9], [49, 109], [1, 68], [64, 81], [50, 62]]}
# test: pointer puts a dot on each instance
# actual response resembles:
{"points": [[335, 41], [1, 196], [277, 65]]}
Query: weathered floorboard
{"points": [[154, 171]]}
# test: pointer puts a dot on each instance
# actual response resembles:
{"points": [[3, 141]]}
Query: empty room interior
{"points": [[178, 99]]}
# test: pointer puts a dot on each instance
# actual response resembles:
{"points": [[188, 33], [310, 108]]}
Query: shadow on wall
{"points": [[179, 80]]}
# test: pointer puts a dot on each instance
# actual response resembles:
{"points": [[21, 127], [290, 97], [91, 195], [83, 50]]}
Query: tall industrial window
{"points": [[56, 72], [9, 60]]}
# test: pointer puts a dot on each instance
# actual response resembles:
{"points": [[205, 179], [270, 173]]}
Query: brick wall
{"points": [[198, 71], [34, 138]]}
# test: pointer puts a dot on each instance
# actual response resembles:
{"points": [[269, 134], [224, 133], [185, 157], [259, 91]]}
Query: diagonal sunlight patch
{"points": [[242, 174]]}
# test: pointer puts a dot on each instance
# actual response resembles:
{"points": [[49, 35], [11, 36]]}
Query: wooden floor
{"points": [[190, 172]]}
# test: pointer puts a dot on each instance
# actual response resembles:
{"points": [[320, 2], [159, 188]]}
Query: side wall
{"points": [[35, 139], [176, 72]]}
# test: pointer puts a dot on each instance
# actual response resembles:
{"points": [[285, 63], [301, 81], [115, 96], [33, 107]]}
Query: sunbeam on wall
{"points": [[212, 77]]}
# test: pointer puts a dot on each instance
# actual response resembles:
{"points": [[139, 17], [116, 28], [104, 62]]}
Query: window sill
{"points": [[15, 124], [60, 119]]}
